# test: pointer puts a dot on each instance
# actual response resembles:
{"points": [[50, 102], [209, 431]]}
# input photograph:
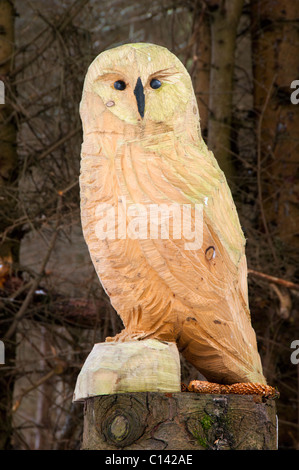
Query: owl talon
{"points": [[125, 336], [241, 388]]}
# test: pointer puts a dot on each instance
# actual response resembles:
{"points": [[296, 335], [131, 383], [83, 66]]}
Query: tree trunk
{"points": [[179, 421], [8, 183], [200, 73], [8, 154], [275, 39], [133, 401], [224, 20]]}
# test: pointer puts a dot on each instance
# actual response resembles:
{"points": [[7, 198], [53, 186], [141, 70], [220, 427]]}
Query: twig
{"points": [[274, 280], [36, 281], [63, 23], [59, 142], [56, 370]]}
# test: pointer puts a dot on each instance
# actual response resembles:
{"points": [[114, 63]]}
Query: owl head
{"points": [[141, 83]]}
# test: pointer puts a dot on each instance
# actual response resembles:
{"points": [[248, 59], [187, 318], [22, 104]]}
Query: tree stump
{"points": [[133, 401], [179, 421]]}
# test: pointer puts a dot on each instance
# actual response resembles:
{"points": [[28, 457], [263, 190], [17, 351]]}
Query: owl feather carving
{"points": [[142, 146]]}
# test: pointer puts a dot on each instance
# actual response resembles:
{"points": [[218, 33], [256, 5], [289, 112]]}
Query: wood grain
{"points": [[179, 421], [160, 288], [132, 366]]}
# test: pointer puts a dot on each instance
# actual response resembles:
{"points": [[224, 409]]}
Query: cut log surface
{"points": [[131, 366], [179, 421]]}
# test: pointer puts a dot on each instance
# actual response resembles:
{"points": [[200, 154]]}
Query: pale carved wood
{"points": [[196, 298], [131, 366]]}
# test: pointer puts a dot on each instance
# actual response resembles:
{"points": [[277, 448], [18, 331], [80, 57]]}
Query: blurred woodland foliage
{"points": [[242, 56]]}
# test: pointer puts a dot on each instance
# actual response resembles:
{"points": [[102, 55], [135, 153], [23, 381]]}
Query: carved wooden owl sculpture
{"points": [[143, 149]]}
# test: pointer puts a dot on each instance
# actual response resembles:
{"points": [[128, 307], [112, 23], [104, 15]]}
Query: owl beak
{"points": [[139, 93]]}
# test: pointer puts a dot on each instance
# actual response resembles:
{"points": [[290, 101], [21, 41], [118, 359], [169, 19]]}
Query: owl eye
{"points": [[155, 83], [119, 85]]}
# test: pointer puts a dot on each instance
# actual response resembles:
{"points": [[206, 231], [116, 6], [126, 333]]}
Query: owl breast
{"points": [[121, 182]]}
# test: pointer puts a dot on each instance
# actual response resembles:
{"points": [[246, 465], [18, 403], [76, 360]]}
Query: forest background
{"points": [[243, 57]]}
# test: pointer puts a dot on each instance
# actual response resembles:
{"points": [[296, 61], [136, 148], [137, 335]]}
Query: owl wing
{"points": [[196, 174], [183, 173]]}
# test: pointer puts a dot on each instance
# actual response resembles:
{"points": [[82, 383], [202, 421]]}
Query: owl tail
{"points": [[222, 355]]}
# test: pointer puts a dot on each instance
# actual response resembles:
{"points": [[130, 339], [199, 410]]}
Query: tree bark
{"points": [[8, 153], [9, 247], [179, 421], [200, 73], [224, 20], [275, 38]]}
